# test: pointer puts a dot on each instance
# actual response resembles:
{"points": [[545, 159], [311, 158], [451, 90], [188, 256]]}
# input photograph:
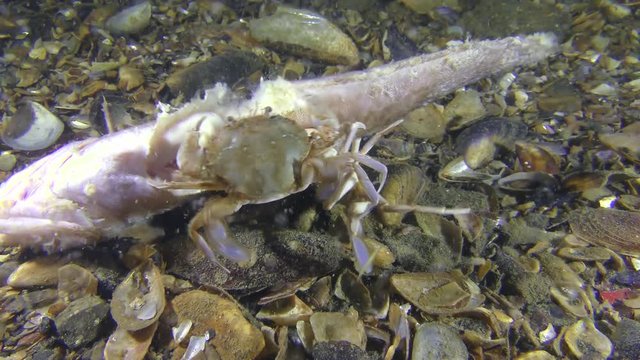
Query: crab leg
{"points": [[217, 240]]}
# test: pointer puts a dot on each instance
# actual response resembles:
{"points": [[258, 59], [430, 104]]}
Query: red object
{"points": [[616, 295]]}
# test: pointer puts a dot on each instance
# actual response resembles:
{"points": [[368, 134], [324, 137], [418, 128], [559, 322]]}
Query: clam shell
{"points": [[617, 230], [32, 127]]}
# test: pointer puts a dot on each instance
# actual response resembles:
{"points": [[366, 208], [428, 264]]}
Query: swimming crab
{"points": [[288, 136]]}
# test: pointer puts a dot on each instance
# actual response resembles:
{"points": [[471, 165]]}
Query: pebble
{"points": [[305, 33], [437, 341], [235, 337], [82, 321], [7, 161], [39, 298]]}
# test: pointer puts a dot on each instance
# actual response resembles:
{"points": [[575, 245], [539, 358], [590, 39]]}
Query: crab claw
{"points": [[210, 232]]}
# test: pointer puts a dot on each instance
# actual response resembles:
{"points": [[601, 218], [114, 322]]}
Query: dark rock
{"points": [[626, 339], [83, 321], [342, 350], [228, 68], [283, 256], [6, 269]]}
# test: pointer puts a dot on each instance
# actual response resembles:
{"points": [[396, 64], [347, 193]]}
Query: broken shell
{"points": [[130, 20], [181, 331], [584, 341], [573, 301], [427, 122], [395, 149], [130, 345], [285, 312], [405, 184], [305, 33], [334, 326], [534, 157], [626, 143], [465, 108], [129, 77], [613, 229], [349, 287], [438, 293], [32, 127], [584, 253], [139, 300], [75, 282]]}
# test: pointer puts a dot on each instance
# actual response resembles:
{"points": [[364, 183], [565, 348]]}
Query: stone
{"points": [[82, 321]]}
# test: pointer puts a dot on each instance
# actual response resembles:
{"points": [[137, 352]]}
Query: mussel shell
{"points": [[527, 183], [534, 157], [617, 230], [139, 300], [477, 142]]}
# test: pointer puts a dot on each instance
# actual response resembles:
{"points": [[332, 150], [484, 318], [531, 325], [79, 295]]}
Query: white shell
{"points": [[32, 127]]}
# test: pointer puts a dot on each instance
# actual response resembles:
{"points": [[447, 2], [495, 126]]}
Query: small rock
{"points": [[38, 298], [6, 269], [82, 321], [7, 161], [305, 33], [437, 341], [338, 350], [626, 339], [235, 337]]}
